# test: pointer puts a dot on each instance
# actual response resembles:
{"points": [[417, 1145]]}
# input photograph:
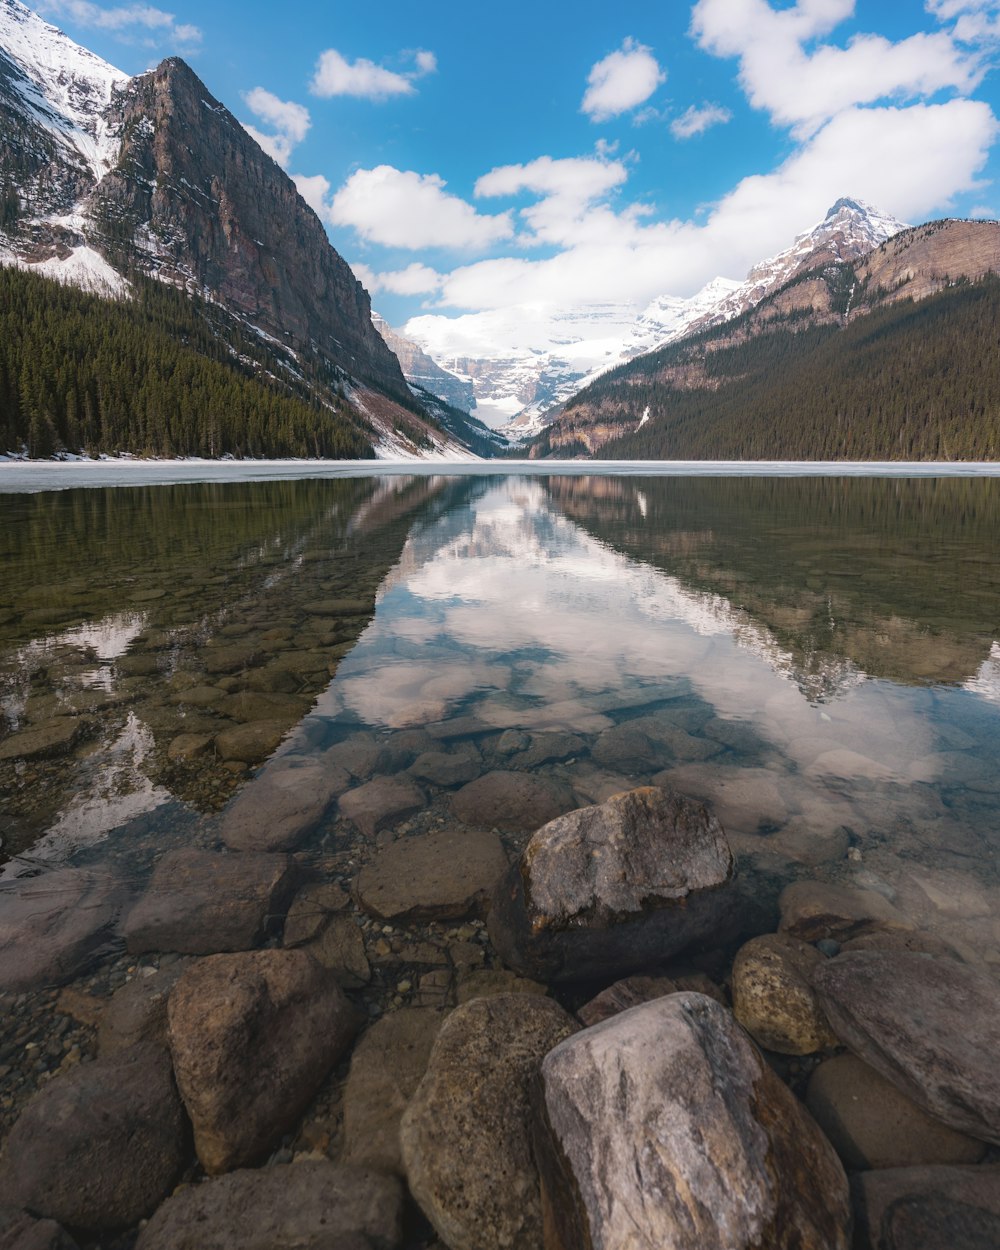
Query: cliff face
{"points": [[926, 259], [422, 371], [194, 200]]}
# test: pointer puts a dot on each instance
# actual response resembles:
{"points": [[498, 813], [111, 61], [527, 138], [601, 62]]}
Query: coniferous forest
{"points": [[157, 374], [908, 381]]}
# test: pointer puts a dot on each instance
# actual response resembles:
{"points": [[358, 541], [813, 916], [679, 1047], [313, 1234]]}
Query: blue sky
{"points": [[486, 164]]}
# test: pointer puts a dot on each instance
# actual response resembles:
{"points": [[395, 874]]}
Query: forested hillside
{"points": [[158, 374], [909, 381]]}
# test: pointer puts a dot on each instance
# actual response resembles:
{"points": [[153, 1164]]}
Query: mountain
{"points": [[524, 389], [106, 180], [420, 370], [889, 356]]}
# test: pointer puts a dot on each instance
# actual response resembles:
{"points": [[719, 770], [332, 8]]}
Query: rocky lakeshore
{"points": [[394, 997]]}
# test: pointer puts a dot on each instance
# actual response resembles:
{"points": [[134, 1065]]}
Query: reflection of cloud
{"points": [[987, 681]]}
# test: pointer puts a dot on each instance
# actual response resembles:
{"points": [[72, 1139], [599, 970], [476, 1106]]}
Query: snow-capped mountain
{"points": [[521, 391]]}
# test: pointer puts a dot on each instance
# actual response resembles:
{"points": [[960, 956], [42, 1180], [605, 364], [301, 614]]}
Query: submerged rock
{"points": [[252, 1036], [465, 1135], [664, 1127], [812, 910], [55, 737], [437, 876], [517, 802], [278, 810], [382, 803], [930, 1026], [100, 1146], [616, 888]]}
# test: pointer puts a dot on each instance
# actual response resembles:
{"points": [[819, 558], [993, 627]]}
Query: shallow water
{"points": [[808, 654]]}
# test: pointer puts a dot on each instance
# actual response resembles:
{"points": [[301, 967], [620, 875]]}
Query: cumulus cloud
{"points": [[803, 89], [335, 76], [131, 23], [976, 21], [415, 279], [290, 123], [315, 190], [400, 208], [621, 81], [697, 119]]}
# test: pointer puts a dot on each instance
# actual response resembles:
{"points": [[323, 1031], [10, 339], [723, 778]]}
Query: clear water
{"points": [[808, 654]]}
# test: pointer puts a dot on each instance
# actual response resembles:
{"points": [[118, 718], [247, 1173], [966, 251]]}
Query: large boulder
{"points": [[930, 1026], [302, 1206], [202, 902], [773, 998], [253, 1036], [101, 1146], [52, 925], [444, 875], [465, 1136], [664, 1127], [278, 810], [615, 888], [512, 801]]}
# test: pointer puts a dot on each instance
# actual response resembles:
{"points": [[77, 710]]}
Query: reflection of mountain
{"points": [[894, 578]]}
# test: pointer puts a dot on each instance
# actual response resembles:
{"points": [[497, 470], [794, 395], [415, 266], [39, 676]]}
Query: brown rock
{"points": [[279, 809], [251, 743], [341, 948], [931, 1221], [252, 1037], [381, 803], [518, 802], [311, 910], [138, 1011], [445, 768], [436, 876], [302, 1206], [465, 1135], [875, 1194], [56, 737], [872, 1125], [664, 1127], [100, 1147], [19, 1231], [202, 902], [812, 910], [773, 997], [489, 982], [632, 991]]}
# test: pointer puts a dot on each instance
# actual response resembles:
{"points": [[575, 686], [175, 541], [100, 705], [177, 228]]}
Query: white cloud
{"points": [[976, 21], [131, 23], [806, 89], [291, 122], [621, 81], [315, 190], [415, 279], [696, 120], [400, 208], [577, 178], [335, 76]]}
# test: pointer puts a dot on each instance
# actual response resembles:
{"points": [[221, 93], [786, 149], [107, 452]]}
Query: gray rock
{"points": [[435, 876], [465, 1135], [202, 902], [56, 737], [931, 1026], [872, 1125], [99, 1147], [633, 991], [138, 1011], [613, 889], [773, 997], [52, 925], [253, 1036], [20, 1231], [386, 1067], [311, 910], [302, 1206], [357, 755], [876, 1193], [381, 803], [446, 768], [930, 1222], [664, 1127], [543, 748], [341, 948], [811, 910], [278, 810], [517, 802]]}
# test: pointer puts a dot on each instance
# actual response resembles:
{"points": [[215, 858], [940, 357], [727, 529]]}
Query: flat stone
{"points": [[812, 910], [930, 1026], [388, 1064], [381, 803], [251, 743], [137, 1012], [311, 910], [915, 942], [544, 748], [203, 902], [465, 1134], [872, 1125], [633, 991], [52, 925], [746, 800], [876, 1193], [56, 737], [252, 1037], [20, 1231], [301, 1206], [630, 749], [229, 659], [357, 755], [810, 844], [199, 696], [613, 889], [188, 747], [255, 705], [664, 1127], [445, 768], [339, 607], [99, 1147], [341, 948], [516, 802], [930, 1222], [773, 996], [445, 875], [280, 808]]}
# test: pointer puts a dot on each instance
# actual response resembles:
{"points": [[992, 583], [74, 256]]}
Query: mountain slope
{"points": [[420, 370], [839, 363]]}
